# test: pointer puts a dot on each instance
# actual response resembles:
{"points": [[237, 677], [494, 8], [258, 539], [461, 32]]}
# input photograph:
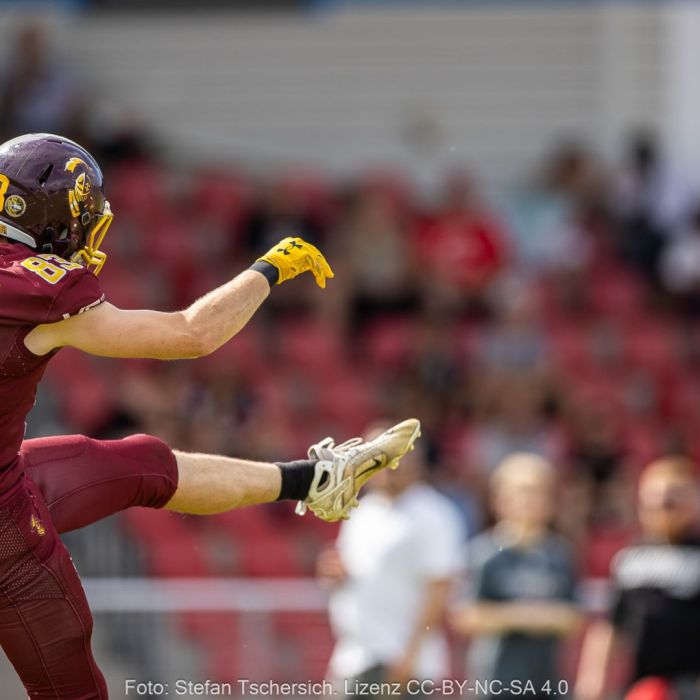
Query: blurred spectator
{"points": [[596, 491], [461, 247], [523, 583], [572, 172], [544, 216], [680, 266], [516, 421], [653, 689], [37, 93], [425, 152], [391, 574], [279, 211], [594, 442], [383, 281], [651, 201], [516, 343], [432, 364], [656, 602]]}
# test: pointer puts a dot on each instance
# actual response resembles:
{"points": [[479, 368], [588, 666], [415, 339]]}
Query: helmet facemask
{"points": [[90, 255]]}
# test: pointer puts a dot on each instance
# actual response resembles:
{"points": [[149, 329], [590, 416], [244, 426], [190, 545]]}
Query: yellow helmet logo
{"points": [[82, 186], [73, 163], [90, 254]]}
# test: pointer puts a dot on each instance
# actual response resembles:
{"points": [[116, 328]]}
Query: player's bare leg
{"points": [[328, 482], [210, 484]]}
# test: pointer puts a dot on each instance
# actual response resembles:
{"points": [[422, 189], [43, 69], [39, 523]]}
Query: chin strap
{"points": [[47, 235], [15, 234]]}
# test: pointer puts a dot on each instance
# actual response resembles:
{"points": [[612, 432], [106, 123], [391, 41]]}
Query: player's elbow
{"points": [[193, 342], [186, 340], [196, 345]]}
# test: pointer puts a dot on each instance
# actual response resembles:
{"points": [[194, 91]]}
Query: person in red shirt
{"points": [[462, 243], [53, 219]]}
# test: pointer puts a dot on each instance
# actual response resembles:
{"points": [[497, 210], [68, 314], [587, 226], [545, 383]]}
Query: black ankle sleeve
{"points": [[296, 479]]}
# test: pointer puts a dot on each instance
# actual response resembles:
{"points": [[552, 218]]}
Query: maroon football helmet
{"points": [[52, 198]]}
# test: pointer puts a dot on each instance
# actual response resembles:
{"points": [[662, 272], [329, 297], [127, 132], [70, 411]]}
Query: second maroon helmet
{"points": [[52, 198]]}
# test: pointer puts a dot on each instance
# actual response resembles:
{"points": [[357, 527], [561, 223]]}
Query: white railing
{"points": [[244, 594], [204, 594]]}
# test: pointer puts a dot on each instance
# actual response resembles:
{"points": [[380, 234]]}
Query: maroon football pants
{"points": [[69, 482]]}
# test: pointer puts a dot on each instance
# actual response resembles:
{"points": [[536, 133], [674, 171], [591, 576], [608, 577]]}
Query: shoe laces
{"points": [[326, 447], [352, 442]]}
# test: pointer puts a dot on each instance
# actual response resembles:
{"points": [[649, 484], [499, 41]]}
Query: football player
{"points": [[53, 220]]}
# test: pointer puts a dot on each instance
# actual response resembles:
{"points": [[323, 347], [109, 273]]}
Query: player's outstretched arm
{"points": [[198, 330]]}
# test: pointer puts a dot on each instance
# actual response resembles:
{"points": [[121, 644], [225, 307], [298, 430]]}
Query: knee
{"points": [[150, 448], [156, 458]]}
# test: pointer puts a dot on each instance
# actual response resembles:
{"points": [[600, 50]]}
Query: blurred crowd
{"points": [[558, 318], [560, 323]]}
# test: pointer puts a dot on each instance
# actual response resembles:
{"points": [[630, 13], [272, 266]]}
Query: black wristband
{"points": [[270, 272]]}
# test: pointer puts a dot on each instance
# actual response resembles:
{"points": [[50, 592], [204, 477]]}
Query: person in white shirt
{"points": [[680, 265], [391, 573]]}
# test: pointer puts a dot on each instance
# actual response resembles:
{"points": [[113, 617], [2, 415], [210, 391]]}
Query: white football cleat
{"points": [[342, 470]]}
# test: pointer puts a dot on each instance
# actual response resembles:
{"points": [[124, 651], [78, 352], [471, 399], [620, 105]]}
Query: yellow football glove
{"points": [[292, 256]]}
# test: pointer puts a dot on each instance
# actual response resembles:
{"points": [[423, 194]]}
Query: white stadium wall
{"points": [[337, 87]]}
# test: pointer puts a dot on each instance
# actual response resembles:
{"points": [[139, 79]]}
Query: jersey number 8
{"points": [[49, 267]]}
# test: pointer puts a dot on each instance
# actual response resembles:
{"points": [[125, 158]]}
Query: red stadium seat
{"points": [[643, 443], [245, 356], [138, 189], [220, 194], [349, 401], [170, 546], [392, 183], [243, 523], [311, 189], [129, 285], [570, 347], [310, 345], [310, 633], [387, 342], [599, 548], [87, 403], [654, 345], [618, 293], [269, 555]]}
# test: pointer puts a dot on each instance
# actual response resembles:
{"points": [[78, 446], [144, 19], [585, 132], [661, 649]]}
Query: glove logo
{"points": [[289, 248]]}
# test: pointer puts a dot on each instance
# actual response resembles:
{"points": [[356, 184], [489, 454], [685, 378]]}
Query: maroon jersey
{"points": [[34, 289]]}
